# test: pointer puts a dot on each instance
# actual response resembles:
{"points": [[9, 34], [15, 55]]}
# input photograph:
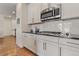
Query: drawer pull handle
{"points": [[45, 46], [73, 43]]}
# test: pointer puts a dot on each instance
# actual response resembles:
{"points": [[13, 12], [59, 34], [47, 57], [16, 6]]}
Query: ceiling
{"points": [[7, 8]]}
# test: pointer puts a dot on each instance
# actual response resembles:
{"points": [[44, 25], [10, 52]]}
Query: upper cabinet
{"points": [[30, 14], [48, 5], [44, 6], [56, 5], [67, 10], [37, 11], [34, 10], [70, 10]]}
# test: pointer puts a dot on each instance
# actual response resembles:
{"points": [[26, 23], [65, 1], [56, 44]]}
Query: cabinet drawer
{"points": [[49, 38], [69, 42], [69, 51]]}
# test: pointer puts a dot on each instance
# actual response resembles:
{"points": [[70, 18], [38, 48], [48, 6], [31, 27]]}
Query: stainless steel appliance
{"points": [[50, 13]]}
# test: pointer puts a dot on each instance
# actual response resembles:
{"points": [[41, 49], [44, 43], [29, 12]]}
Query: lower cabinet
{"points": [[69, 47], [45, 48], [51, 49], [29, 42], [42, 45], [69, 51]]}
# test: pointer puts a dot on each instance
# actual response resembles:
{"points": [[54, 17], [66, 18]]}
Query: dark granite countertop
{"points": [[75, 38]]}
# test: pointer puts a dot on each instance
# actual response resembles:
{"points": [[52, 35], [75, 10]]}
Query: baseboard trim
{"points": [[1, 37], [31, 51], [9, 35], [18, 45]]}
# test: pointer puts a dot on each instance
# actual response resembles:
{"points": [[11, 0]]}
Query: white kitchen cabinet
{"points": [[69, 51], [70, 10], [51, 49], [34, 10], [46, 47], [37, 12], [44, 6], [40, 47], [30, 14], [26, 40], [29, 42], [48, 5], [69, 47], [56, 5]]}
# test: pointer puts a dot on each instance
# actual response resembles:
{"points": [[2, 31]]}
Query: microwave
{"points": [[50, 13]]}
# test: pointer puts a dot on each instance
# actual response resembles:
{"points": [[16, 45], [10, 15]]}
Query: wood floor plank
{"points": [[8, 48]]}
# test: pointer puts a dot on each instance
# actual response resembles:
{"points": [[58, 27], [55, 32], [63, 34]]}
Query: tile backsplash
{"points": [[72, 26], [48, 26]]}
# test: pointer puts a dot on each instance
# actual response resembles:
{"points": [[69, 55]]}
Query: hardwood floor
{"points": [[24, 52], [8, 48]]}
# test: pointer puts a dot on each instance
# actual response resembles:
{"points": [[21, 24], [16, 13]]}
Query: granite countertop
{"points": [[76, 38]]}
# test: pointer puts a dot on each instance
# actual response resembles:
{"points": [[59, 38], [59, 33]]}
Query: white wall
{"points": [[21, 13], [18, 26], [1, 26], [5, 26], [71, 26], [48, 26], [13, 26]]}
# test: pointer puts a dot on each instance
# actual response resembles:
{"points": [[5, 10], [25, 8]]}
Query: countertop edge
{"points": [[53, 36]]}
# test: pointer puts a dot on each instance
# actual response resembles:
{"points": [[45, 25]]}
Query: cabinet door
{"points": [[30, 14], [40, 47], [57, 5], [29, 42], [25, 41], [51, 49], [33, 43], [69, 52], [44, 6], [70, 10], [36, 12]]}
